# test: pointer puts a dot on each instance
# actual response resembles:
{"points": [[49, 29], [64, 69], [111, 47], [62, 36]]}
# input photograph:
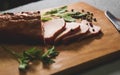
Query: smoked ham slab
{"points": [[21, 26]]}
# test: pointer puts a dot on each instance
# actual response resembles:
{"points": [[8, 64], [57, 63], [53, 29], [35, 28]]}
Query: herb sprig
{"points": [[32, 54], [67, 15], [48, 56], [57, 10]]}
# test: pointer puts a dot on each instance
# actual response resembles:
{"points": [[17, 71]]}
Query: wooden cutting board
{"points": [[71, 56]]}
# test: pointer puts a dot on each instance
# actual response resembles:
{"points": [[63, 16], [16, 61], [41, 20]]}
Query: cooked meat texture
{"points": [[20, 16], [22, 25], [71, 28], [52, 29], [87, 29], [93, 29]]}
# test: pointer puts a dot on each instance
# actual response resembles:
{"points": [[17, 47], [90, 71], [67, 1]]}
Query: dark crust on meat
{"points": [[20, 16], [23, 25]]}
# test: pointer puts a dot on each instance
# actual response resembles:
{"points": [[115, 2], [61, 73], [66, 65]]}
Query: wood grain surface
{"points": [[72, 55]]}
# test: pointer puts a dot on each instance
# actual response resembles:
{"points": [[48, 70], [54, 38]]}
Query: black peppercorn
{"points": [[93, 30], [88, 13], [38, 11], [72, 10], [91, 14], [22, 12], [83, 10], [95, 19]]}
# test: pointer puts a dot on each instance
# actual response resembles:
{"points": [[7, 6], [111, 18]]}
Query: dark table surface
{"points": [[111, 68]]}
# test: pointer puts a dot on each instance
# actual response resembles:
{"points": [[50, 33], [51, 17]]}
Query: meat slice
{"points": [[21, 26], [93, 29], [87, 29], [52, 29], [71, 28]]}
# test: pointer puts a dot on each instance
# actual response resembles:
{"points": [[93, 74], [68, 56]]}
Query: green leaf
{"points": [[31, 50], [53, 11], [47, 60], [68, 18], [79, 16], [52, 52], [49, 51], [23, 63], [71, 13], [44, 19], [23, 66], [62, 9], [32, 54], [56, 10], [48, 56]]}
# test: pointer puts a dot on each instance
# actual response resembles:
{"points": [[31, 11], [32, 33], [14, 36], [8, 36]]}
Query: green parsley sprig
{"points": [[32, 54]]}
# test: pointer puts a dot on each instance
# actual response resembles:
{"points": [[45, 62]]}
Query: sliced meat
{"points": [[93, 29], [52, 29], [83, 30], [87, 29], [21, 26], [71, 28]]}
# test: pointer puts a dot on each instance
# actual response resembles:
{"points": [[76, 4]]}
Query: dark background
{"points": [[8, 4]]}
